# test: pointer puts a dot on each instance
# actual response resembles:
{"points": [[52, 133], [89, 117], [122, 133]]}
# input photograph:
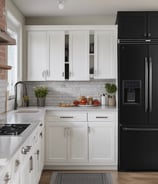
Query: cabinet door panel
{"points": [[79, 55], [26, 174], [153, 55], [132, 25], [102, 143], [38, 57], [153, 25], [57, 55], [56, 143], [105, 54], [78, 143]]}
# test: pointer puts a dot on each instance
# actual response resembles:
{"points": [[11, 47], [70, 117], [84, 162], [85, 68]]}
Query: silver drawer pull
{"points": [[66, 117], [105, 117]]}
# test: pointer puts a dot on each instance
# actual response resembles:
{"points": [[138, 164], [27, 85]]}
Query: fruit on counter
{"points": [[76, 102], [96, 102], [83, 100]]}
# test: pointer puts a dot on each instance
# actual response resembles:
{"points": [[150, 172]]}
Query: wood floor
{"points": [[118, 177]]}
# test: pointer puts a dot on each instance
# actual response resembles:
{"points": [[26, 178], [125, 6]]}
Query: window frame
{"points": [[16, 26]]}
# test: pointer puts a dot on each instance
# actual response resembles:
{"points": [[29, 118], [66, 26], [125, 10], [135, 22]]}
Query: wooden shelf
{"points": [[5, 67], [6, 39]]}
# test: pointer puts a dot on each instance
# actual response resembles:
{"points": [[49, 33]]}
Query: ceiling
{"points": [[82, 7]]}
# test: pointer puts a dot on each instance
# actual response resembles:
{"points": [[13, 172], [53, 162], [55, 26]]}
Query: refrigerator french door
{"points": [[138, 106]]}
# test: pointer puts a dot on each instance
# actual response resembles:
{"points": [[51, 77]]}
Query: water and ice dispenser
{"points": [[131, 91]]}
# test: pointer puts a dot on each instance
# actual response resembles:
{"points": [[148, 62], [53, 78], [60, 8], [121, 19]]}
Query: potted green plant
{"points": [[41, 93], [111, 90]]}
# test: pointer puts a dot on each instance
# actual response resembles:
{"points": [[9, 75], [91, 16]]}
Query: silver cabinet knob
{"points": [[23, 151]]}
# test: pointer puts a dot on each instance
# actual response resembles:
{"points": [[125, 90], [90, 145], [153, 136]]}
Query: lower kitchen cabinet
{"points": [[102, 138], [101, 142], [91, 140], [27, 171], [66, 142], [26, 166], [56, 143], [77, 142]]}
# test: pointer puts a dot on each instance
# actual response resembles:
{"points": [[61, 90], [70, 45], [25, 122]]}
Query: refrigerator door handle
{"points": [[146, 84], [140, 129], [150, 84]]}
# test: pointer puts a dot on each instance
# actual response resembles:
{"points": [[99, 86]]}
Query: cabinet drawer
{"points": [[68, 117], [101, 116]]}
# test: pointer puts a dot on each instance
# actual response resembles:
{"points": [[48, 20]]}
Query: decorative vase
{"points": [[112, 100], [41, 101]]}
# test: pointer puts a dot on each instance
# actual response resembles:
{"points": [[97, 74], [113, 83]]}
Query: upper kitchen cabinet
{"points": [[137, 25], [79, 55], [74, 53], [105, 53], [56, 55], [153, 25], [38, 56], [46, 55]]}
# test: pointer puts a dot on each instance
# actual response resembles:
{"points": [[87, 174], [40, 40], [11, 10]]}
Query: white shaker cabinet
{"points": [[66, 138], [56, 70], [77, 142], [105, 53], [79, 55], [66, 142], [102, 138], [46, 53], [56, 143], [38, 56]]}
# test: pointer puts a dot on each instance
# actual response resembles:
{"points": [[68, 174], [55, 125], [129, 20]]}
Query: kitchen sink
{"points": [[27, 111]]}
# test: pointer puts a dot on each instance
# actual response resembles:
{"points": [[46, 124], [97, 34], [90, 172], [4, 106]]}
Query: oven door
{"points": [[138, 149]]}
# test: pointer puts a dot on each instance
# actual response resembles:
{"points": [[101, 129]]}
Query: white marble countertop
{"points": [[83, 108], [78, 108]]}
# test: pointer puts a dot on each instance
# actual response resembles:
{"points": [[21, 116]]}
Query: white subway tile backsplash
{"points": [[67, 91], [3, 89]]}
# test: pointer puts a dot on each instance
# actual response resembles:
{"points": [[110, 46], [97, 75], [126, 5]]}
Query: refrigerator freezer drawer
{"points": [[138, 149]]}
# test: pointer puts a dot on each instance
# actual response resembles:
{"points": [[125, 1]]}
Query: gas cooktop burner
{"points": [[12, 129]]}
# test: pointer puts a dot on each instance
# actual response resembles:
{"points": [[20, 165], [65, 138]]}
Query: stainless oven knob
{"points": [[24, 151]]}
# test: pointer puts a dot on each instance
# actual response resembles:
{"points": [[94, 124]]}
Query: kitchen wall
{"points": [[72, 20], [3, 59], [3, 49], [16, 17], [66, 92], [12, 10]]}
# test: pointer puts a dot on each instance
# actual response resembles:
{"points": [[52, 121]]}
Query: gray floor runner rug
{"points": [[81, 178]]}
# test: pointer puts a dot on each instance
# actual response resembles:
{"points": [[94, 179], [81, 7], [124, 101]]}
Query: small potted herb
{"points": [[111, 90], [41, 93]]}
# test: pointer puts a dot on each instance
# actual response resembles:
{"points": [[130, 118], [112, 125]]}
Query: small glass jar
{"points": [[89, 100]]}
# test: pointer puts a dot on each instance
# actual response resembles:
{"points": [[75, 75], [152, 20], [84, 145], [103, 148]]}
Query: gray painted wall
{"points": [[72, 20]]}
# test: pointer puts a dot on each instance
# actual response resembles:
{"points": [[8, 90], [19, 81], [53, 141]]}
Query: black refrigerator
{"points": [[138, 106]]}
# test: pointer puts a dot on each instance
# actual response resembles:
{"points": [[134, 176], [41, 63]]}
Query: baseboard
{"points": [[68, 167]]}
